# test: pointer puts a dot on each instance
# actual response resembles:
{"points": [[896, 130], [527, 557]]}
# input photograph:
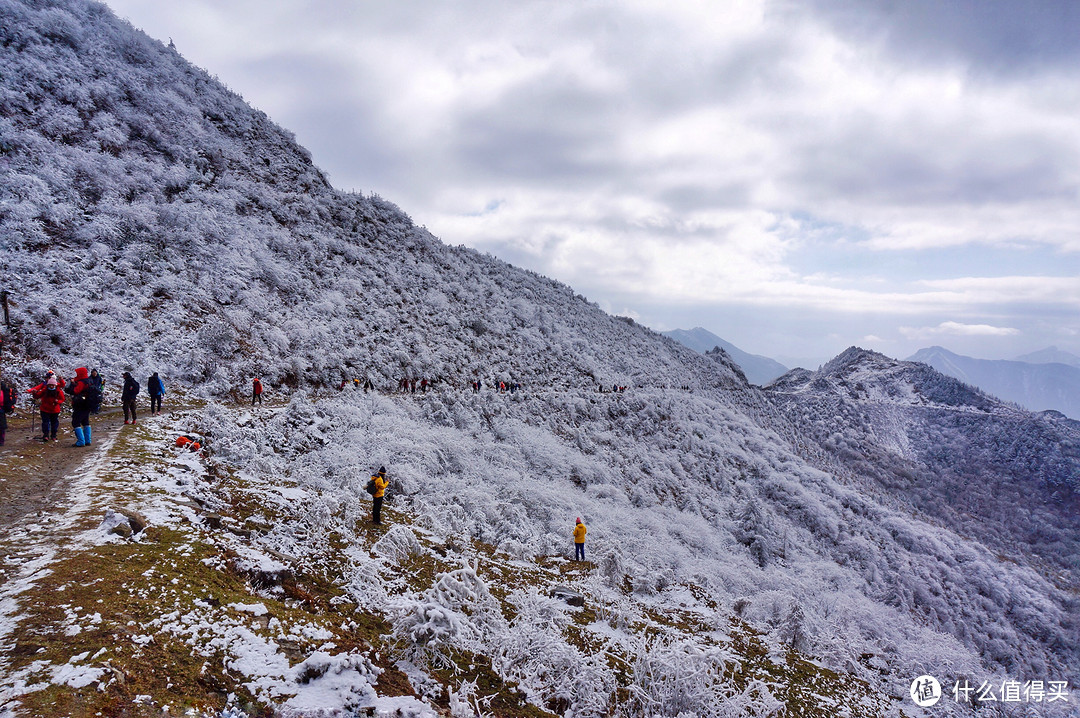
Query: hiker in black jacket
{"points": [[156, 388], [99, 390], [127, 397]]}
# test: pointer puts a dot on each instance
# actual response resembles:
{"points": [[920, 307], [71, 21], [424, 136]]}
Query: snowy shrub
{"points": [[398, 544], [678, 679], [457, 611], [533, 652]]}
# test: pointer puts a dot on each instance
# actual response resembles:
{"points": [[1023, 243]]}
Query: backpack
{"points": [[90, 392], [370, 486]]}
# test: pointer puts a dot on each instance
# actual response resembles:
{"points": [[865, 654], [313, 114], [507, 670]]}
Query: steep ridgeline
{"points": [[151, 219]]}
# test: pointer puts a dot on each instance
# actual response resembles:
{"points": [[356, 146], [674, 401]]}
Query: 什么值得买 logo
{"points": [[925, 691]]}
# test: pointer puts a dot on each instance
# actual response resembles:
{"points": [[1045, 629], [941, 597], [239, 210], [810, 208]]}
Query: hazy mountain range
{"points": [[758, 369], [1046, 380]]}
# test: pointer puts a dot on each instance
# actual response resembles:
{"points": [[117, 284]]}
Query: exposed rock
{"points": [[123, 522], [567, 595]]}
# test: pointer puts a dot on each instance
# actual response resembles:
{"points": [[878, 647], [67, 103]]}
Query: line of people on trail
{"points": [[501, 386], [410, 385]]}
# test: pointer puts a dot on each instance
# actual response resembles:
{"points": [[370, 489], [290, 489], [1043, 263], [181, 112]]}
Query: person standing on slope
{"points": [[381, 483], [99, 390], [156, 388], [127, 397], [82, 401], [579, 540], [51, 396], [256, 391]]}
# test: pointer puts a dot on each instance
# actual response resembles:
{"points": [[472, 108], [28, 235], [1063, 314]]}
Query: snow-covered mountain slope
{"points": [[758, 369], [1034, 386], [151, 219], [950, 453]]}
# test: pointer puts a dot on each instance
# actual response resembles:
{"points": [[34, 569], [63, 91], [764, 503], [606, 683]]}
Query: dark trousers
{"points": [[256, 398], [376, 509], [155, 403], [50, 424], [80, 417], [579, 551], [129, 409]]}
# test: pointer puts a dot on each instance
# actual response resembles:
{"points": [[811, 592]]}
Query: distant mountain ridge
{"points": [[758, 369], [1050, 355], [1037, 387]]}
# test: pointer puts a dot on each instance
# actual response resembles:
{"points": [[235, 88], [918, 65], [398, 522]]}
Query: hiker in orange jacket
{"points": [[579, 540], [381, 482]]}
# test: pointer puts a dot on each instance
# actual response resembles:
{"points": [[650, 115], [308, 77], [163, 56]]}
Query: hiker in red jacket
{"points": [[51, 396], [83, 394], [256, 391]]}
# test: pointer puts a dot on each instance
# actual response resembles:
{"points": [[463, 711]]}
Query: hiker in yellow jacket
{"points": [[579, 540], [381, 482]]}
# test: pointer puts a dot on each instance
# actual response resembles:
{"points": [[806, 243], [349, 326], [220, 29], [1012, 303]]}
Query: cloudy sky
{"points": [[796, 177]]}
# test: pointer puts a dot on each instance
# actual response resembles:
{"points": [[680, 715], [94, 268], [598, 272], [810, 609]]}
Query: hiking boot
{"points": [[126, 422], [44, 440]]}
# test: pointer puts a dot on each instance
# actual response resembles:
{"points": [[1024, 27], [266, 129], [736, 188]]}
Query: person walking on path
{"points": [[127, 397], [82, 401], [51, 396], [4, 391], [381, 483], [156, 388], [256, 391], [579, 540]]}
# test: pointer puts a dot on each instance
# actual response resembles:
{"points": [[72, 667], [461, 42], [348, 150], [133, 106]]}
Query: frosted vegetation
{"points": [[887, 523]]}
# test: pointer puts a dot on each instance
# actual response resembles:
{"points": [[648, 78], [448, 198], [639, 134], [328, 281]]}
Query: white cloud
{"points": [[958, 329]]}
